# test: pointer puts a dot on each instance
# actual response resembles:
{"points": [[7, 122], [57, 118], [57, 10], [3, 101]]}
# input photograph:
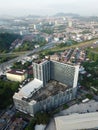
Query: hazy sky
{"points": [[48, 7]]}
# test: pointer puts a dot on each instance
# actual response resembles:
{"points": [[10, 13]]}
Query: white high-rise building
{"points": [[54, 83], [70, 23], [42, 71]]}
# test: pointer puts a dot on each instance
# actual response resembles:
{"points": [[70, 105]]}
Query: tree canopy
{"points": [[5, 40], [7, 89]]}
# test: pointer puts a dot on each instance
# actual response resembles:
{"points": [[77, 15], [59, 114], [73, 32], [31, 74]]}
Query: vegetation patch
{"points": [[39, 118], [7, 90], [5, 41]]}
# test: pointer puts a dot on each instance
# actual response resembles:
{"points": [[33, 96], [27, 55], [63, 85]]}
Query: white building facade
{"points": [[26, 100]]}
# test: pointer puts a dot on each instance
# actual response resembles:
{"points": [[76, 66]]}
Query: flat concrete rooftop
{"points": [[16, 72], [77, 121], [27, 91], [52, 88]]}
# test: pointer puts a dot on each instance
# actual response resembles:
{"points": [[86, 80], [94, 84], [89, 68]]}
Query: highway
{"points": [[9, 63]]}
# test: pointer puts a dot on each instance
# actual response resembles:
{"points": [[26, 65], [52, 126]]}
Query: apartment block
{"points": [[16, 75], [54, 83]]}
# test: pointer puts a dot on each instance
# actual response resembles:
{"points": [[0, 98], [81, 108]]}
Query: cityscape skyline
{"points": [[48, 7], [48, 64]]}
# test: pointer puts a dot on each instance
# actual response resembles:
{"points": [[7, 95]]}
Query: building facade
{"points": [[42, 71], [53, 70], [64, 73], [51, 102], [64, 89], [16, 75]]}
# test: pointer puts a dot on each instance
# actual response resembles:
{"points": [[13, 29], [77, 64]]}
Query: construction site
{"points": [[52, 88]]}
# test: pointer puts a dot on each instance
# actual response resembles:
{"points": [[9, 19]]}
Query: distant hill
{"points": [[33, 16], [6, 39], [88, 19], [67, 14]]}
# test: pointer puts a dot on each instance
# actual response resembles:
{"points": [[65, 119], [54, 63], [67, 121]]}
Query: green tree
{"points": [[5, 41], [7, 89]]}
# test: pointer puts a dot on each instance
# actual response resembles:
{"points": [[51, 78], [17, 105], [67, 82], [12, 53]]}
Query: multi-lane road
{"points": [[9, 63]]}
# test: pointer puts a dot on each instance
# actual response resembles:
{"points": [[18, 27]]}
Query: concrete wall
{"points": [[63, 73], [45, 105], [22, 105], [55, 101], [42, 71], [14, 77]]}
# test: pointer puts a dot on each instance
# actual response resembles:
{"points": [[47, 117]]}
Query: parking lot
{"points": [[91, 106]]}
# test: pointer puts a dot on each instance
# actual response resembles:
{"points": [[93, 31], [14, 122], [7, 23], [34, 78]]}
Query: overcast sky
{"points": [[48, 7]]}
